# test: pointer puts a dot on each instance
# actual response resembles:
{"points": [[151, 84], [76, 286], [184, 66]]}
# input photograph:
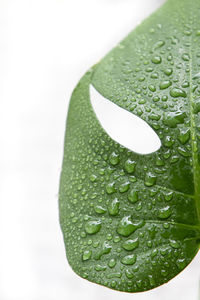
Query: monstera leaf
{"points": [[131, 221]]}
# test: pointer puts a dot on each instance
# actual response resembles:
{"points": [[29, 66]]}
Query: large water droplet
{"points": [[129, 259], [127, 226], [92, 227], [174, 244], [156, 59], [165, 84], [165, 212], [184, 135], [110, 188], [99, 209], [113, 207], [133, 196], [112, 263], [114, 159], [150, 179], [87, 255], [172, 119], [131, 244], [129, 166], [177, 92]]}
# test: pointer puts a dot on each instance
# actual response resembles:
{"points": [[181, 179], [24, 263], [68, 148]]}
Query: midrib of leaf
{"points": [[194, 139]]}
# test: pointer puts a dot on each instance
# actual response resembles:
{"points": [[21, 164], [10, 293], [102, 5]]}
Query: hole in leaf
{"points": [[124, 127]]}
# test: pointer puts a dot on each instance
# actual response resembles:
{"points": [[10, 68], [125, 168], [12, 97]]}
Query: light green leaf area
{"points": [[131, 222]]}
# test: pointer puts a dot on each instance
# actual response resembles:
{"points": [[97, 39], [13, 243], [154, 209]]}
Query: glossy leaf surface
{"points": [[131, 222]]}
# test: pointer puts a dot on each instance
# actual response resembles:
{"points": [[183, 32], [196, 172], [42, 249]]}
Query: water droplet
{"points": [[130, 166], [124, 187], [158, 44], [186, 57], [164, 272], [93, 178], [174, 244], [129, 259], [184, 152], [184, 135], [168, 142], [133, 196], [113, 284], [129, 274], [159, 162], [165, 84], [127, 226], [177, 92], [168, 71], [87, 255], [151, 280], [114, 159], [154, 253], [113, 207], [172, 119], [152, 88], [92, 227], [100, 268], [99, 209], [131, 244], [168, 196], [156, 60], [110, 188], [112, 263], [196, 106], [196, 76], [150, 179], [181, 263], [165, 212]]}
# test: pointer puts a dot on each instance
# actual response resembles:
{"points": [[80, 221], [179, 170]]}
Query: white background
{"points": [[45, 47]]}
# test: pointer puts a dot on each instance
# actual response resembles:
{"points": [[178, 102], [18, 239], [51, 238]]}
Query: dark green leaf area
{"points": [[131, 222]]}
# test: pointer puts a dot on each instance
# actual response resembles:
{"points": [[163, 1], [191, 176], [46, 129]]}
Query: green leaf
{"points": [[133, 231]]}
